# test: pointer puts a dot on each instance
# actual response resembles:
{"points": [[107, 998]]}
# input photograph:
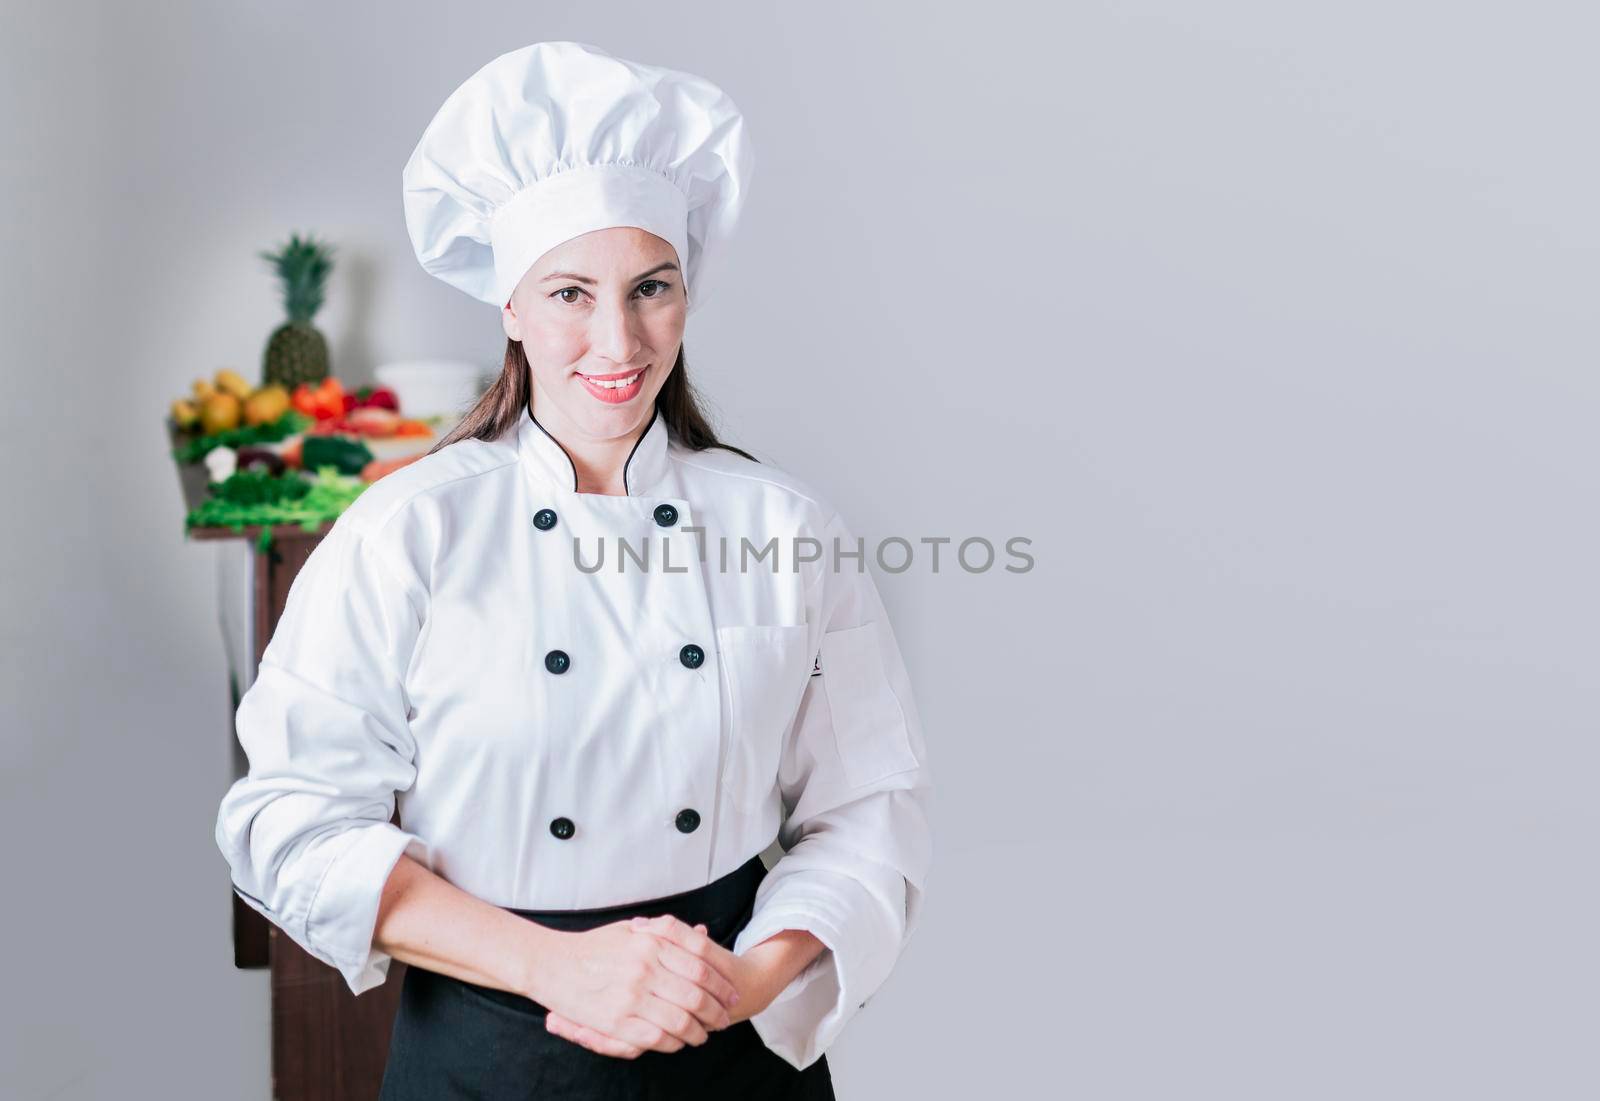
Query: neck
{"points": [[599, 462]]}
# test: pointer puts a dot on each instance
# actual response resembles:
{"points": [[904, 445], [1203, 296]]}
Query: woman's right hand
{"points": [[634, 990]]}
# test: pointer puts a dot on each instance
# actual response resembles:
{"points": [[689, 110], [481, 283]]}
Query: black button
{"points": [[691, 656], [666, 515], [688, 819], [544, 519], [562, 827], [557, 661]]}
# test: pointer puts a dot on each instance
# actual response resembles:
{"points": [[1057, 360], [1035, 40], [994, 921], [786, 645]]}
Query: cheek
{"points": [[664, 328], [553, 342]]}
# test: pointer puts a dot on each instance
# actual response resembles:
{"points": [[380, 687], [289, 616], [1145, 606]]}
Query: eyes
{"points": [[661, 285]]}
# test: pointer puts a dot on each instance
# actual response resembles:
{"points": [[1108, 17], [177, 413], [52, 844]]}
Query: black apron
{"points": [[457, 1039]]}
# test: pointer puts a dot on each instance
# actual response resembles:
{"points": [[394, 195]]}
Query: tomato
{"points": [[304, 400], [328, 404]]}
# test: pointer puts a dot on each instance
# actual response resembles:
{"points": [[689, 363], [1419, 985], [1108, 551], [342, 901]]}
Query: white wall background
{"points": [[1271, 325]]}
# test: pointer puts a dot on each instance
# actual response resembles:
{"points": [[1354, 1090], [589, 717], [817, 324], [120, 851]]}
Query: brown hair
{"points": [[503, 403]]}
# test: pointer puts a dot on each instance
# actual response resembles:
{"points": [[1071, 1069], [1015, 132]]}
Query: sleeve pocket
{"points": [[869, 725]]}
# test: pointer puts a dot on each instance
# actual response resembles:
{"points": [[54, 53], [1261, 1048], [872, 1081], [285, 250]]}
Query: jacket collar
{"points": [[549, 464]]}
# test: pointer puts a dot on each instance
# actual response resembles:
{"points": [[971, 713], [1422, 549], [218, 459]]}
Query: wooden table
{"points": [[326, 1042]]}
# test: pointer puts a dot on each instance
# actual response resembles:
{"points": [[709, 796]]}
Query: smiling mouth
{"points": [[615, 389], [613, 382]]}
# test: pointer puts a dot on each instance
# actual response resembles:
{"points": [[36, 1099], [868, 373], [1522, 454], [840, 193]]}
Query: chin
{"points": [[599, 419]]}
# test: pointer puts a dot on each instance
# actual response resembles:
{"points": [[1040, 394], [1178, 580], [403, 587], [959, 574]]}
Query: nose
{"points": [[611, 332]]}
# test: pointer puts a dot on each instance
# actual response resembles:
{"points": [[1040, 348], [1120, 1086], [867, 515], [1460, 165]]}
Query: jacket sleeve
{"points": [[857, 839], [307, 831]]}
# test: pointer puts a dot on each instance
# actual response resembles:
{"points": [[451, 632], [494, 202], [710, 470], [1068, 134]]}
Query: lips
{"points": [[613, 389]]}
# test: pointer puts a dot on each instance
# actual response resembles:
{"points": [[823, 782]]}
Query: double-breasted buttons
{"points": [[666, 516], [691, 656], [688, 818], [562, 827], [544, 519], [557, 661]]}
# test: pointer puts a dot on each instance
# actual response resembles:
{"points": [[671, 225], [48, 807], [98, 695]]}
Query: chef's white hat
{"points": [[560, 138]]}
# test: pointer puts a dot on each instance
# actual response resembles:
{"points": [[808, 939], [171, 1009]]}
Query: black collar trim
{"points": [[655, 414]]}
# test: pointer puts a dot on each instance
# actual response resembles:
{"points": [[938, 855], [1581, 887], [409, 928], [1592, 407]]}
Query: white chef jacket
{"points": [[412, 663]]}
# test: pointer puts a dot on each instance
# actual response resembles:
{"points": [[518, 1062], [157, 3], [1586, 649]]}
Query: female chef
{"points": [[598, 659]]}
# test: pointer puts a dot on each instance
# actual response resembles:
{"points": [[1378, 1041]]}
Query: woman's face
{"points": [[605, 306]]}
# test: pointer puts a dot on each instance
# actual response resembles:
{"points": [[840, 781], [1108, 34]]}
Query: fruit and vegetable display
{"points": [[299, 447], [274, 456]]}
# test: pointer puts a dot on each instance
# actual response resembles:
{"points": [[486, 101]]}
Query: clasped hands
{"points": [[656, 984]]}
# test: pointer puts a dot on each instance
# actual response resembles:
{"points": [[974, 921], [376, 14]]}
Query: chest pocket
{"points": [[765, 670], [869, 725]]}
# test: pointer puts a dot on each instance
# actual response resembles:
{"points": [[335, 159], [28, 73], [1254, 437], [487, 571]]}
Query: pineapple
{"points": [[297, 352]]}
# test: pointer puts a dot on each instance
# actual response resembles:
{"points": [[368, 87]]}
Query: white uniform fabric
{"points": [[557, 139], [409, 665]]}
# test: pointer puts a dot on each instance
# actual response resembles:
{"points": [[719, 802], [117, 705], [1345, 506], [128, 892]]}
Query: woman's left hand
{"points": [[751, 974]]}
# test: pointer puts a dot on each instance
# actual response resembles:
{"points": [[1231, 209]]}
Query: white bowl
{"points": [[433, 387]]}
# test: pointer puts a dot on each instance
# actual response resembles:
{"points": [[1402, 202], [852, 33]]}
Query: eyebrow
{"points": [[576, 278]]}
